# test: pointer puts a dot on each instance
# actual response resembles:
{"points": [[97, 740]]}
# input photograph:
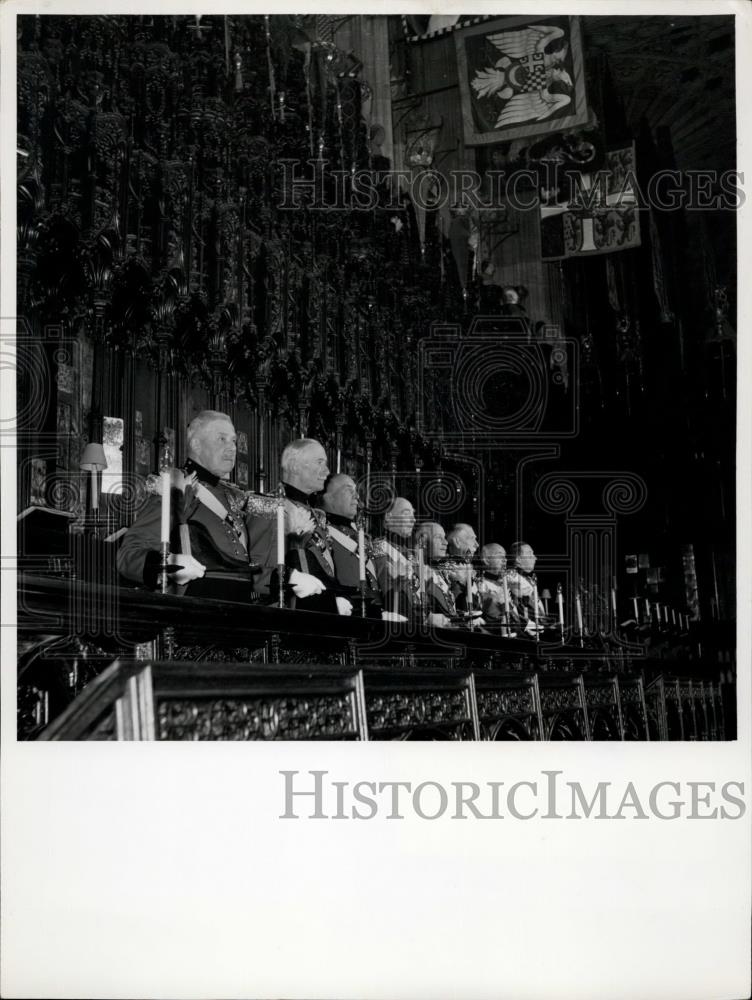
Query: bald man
{"points": [[340, 501], [394, 559], [304, 470]]}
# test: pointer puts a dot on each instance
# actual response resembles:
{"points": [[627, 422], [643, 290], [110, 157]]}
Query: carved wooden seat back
{"points": [[563, 708], [508, 706]]}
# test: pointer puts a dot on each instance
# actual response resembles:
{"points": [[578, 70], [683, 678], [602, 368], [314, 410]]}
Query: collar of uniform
{"points": [[293, 493], [339, 520], [203, 475], [398, 541]]}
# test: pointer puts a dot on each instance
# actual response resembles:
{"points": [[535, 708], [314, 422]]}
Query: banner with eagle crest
{"points": [[520, 77]]}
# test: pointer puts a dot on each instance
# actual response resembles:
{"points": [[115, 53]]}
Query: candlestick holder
{"points": [[280, 543], [164, 549]]}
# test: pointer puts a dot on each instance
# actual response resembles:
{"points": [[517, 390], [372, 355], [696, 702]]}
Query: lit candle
{"points": [[94, 491], [578, 602], [506, 599], [648, 613], [673, 617], [657, 613], [560, 602], [613, 600], [636, 611], [166, 478], [280, 534], [469, 587], [361, 555]]}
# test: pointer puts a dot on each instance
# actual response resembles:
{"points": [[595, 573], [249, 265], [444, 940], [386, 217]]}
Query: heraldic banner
{"points": [[520, 77], [601, 214]]}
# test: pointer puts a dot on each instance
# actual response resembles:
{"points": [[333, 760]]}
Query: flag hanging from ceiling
{"points": [[520, 76], [601, 215]]}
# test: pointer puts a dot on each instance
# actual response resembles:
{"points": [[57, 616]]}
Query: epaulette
{"points": [[378, 546], [260, 505], [153, 483]]}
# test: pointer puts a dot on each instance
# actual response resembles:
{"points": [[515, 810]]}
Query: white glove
{"points": [[392, 616], [438, 621], [190, 568], [343, 606], [305, 585]]}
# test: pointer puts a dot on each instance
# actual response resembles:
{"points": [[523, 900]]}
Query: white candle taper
{"points": [[166, 483], [578, 602], [280, 534], [361, 555], [94, 491], [560, 602]]}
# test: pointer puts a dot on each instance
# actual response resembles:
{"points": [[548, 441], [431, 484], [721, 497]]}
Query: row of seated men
{"points": [[223, 544]]}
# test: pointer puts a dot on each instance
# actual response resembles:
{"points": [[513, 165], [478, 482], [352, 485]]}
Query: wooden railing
{"points": [[98, 662]]}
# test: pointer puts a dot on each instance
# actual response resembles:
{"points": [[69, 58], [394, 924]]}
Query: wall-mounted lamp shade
{"points": [[546, 595], [93, 459]]}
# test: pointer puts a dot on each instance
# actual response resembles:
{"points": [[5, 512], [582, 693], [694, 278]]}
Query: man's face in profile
{"points": [[401, 518], [215, 447]]}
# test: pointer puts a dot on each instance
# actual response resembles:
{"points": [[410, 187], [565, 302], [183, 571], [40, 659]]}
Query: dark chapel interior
{"points": [[190, 237]]}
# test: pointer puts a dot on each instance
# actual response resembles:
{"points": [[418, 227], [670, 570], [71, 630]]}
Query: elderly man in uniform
{"points": [[440, 604], [495, 598], [462, 544], [394, 560], [522, 583], [209, 551], [304, 471], [340, 501]]}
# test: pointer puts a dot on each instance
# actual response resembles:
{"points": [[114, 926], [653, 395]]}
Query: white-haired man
{"points": [[394, 559], [462, 544], [304, 471], [209, 542], [440, 604]]}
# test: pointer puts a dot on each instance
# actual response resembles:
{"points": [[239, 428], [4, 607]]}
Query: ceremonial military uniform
{"points": [[494, 597], [308, 553], [438, 591], [208, 522], [521, 590], [395, 571], [343, 538], [455, 571]]}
